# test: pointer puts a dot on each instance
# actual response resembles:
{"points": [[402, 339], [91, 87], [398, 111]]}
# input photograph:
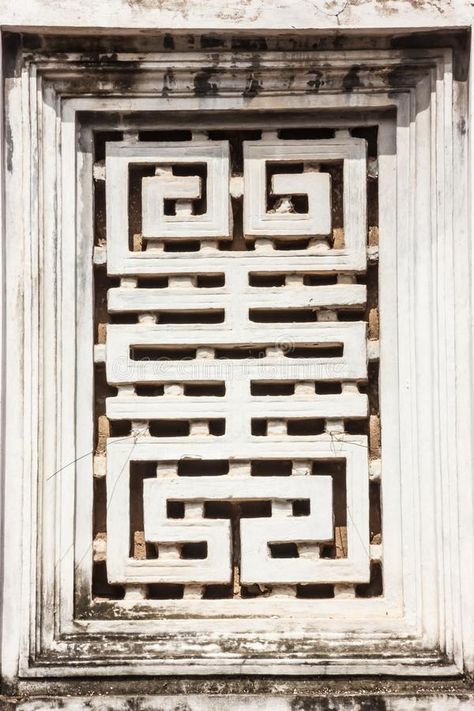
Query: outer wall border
{"points": [[454, 699]]}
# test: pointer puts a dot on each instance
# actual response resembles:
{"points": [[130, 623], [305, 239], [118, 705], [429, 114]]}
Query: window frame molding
{"points": [[43, 105]]}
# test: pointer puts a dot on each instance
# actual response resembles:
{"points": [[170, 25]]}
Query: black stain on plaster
{"points": [[320, 703], [9, 146], [316, 82], [203, 86], [249, 44], [397, 76], [168, 41], [352, 80], [212, 42], [458, 41], [168, 83], [252, 88]]}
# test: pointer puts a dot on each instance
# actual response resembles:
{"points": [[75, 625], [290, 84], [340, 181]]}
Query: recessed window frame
{"points": [[44, 374]]}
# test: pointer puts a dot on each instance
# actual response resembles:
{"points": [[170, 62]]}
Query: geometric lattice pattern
{"points": [[238, 355]]}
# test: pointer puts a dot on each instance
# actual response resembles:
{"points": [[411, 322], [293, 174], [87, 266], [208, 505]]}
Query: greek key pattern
{"points": [[237, 350]]}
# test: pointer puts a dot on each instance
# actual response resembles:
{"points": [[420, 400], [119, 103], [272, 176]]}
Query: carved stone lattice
{"points": [[239, 366]]}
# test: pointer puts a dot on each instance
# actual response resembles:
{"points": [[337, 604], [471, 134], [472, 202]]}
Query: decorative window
{"points": [[237, 359], [239, 437]]}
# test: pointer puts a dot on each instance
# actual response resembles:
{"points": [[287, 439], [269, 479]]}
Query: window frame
{"points": [[420, 412]]}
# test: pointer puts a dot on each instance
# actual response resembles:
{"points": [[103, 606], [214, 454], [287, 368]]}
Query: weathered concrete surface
{"points": [[245, 703], [250, 15]]}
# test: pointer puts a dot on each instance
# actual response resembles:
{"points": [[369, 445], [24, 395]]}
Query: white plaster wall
{"points": [[250, 15]]}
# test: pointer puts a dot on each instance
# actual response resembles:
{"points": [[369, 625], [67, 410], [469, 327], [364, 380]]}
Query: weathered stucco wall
{"points": [[247, 15]]}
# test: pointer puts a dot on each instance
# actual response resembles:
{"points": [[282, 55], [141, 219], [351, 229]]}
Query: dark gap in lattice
{"points": [[319, 279], [122, 317], [336, 171], [374, 588], [218, 509], [169, 428], [373, 210], [372, 307], [194, 551], [215, 316], [355, 314], [120, 428], [373, 390], [271, 467], [101, 588], [255, 509], [324, 387], [237, 243], [204, 389], [255, 590], [315, 592], [370, 134], [100, 506], [239, 352], [182, 246], [210, 281], [259, 427], [269, 388], [203, 467], [165, 591], [300, 203], [152, 282], [149, 390], [172, 135], [100, 229], [100, 139], [217, 592], [161, 353], [336, 469], [301, 507], [136, 173], [217, 427], [375, 513], [266, 280], [175, 509], [316, 351], [236, 139], [287, 245], [282, 315], [102, 390], [357, 427], [305, 426], [102, 283], [138, 548], [306, 134], [283, 550], [182, 428]]}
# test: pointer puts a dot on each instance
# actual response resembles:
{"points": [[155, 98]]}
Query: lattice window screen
{"points": [[238, 437]]}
